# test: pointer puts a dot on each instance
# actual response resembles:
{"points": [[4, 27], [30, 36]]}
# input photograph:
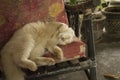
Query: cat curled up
{"points": [[26, 47]]}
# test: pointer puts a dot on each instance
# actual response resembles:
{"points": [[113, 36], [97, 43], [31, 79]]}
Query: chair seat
{"points": [[74, 60], [71, 51], [74, 53]]}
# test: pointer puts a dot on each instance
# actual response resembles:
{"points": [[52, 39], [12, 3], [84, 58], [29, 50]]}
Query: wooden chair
{"points": [[29, 11]]}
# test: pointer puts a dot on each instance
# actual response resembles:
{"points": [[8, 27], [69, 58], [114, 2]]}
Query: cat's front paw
{"points": [[51, 61], [44, 61], [32, 67], [25, 63], [59, 56], [58, 53]]}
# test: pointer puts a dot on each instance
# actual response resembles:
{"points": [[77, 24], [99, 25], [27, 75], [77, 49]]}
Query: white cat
{"points": [[27, 46]]}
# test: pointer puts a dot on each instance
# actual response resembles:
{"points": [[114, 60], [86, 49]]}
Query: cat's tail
{"points": [[11, 71]]}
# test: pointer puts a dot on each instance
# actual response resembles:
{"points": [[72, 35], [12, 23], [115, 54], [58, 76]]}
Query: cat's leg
{"points": [[26, 63], [22, 54], [57, 51], [11, 71], [44, 61], [36, 56]]}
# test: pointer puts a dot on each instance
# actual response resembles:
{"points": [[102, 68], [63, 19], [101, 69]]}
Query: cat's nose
{"points": [[63, 39]]}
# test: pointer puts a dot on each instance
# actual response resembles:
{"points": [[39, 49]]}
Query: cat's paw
{"points": [[58, 53], [50, 61], [28, 64], [59, 56], [32, 67], [44, 61]]}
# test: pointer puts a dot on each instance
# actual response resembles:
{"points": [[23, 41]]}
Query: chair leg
{"points": [[87, 73], [91, 48], [93, 75]]}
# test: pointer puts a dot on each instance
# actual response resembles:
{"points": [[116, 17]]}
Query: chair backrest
{"points": [[15, 13]]}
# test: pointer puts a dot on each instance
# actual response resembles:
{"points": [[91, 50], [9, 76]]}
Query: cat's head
{"points": [[66, 35]]}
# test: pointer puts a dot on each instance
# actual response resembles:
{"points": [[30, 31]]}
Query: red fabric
{"points": [[73, 50], [15, 13]]}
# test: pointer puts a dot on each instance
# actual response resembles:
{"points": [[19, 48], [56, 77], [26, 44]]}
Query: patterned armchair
{"points": [[16, 13]]}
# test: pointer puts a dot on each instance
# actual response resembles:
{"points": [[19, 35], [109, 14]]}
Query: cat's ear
{"points": [[63, 27]]}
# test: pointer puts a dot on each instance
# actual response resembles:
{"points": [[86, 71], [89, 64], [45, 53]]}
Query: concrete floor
{"points": [[108, 58]]}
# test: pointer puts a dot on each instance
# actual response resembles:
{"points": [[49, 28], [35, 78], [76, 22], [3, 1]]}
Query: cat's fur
{"points": [[27, 46]]}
